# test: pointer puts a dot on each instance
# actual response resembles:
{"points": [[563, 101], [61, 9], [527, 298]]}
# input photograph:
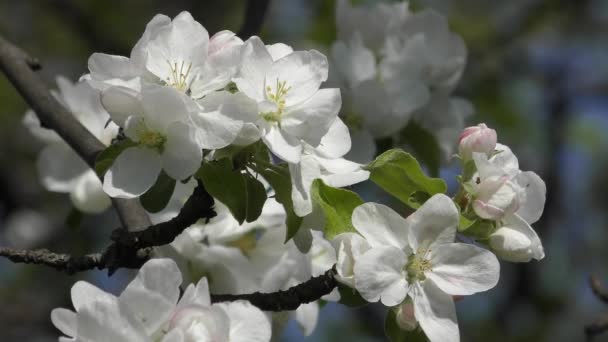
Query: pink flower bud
{"points": [[405, 316], [478, 138]]}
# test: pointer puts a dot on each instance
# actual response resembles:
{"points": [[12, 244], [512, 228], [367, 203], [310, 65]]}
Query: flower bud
{"points": [[511, 245], [496, 197], [405, 316], [478, 138]]}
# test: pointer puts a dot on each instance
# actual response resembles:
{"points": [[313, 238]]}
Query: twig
{"points": [[289, 299], [254, 18]]}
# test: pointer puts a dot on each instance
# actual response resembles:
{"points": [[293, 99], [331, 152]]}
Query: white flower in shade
{"points": [[291, 109], [417, 257], [175, 53], [149, 310], [349, 247], [480, 138], [514, 239], [165, 138], [60, 168], [324, 162]]}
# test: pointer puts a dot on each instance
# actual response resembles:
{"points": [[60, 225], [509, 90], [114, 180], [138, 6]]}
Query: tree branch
{"points": [[289, 299], [254, 18]]}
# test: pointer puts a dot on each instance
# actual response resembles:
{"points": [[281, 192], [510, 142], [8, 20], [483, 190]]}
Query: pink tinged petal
{"points": [[336, 142], [307, 316], [434, 223], [132, 173], [60, 167], [88, 195], [302, 176], [66, 321], [163, 106], [516, 241], [380, 225], [535, 192], [312, 119], [181, 156], [463, 269], [283, 145], [302, 71], [380, 275], [152, 295], [255, 63], [247, 323], [478, 138], [121, 102], [435, 312], [496, 197], [279, 50]]}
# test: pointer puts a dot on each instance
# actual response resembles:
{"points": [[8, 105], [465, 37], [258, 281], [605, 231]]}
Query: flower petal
{"points": [[380, 225], [516, 241], [88, 195], [435, 312], [163, 106], [302, 176], [461, 269], [65, 320], [247, 323], [181, 156], [434, 223], [60, 167], [380, 275], [336, 142], [283, 145], [255, 62], [307, 316], [532, 204], [133, 172]]}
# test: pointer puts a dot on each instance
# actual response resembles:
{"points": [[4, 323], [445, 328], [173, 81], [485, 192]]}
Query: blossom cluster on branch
{"points": [[252, 127]]}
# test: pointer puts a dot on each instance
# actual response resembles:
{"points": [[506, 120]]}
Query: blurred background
{"points": [[537, 73]]}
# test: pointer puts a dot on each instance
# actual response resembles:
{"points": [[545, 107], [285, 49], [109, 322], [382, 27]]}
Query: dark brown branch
{"points": [[254, 18], [289, 299], [19, 68]]}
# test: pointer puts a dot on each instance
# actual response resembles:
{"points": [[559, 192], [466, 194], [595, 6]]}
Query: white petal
{"points": [[533, 203], [133, 173], [380, 225], [307, 316], [139, 53], [349, 246], [65, 320], [248, 135], [355, 62], [163, 106], [255, 62], [283, 145], [336, 142], [121, 102], [83, 294], [152, 295], [304, 71], [434, 223], [196, 295], [341, 172], [279, 50], [88, 195], [104, 67], [106, 321], [302, 176], [380, 275], [516, 241], [312, 119], [435, 313], [60, 167], [181, 155], [463, 269], [174, 335], [247, 323]]}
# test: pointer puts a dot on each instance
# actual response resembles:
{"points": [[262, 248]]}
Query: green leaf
{"points": [[479, 229], [394, 333], [337, 205], [242, 194], [350, 297], [424, 144], [105, 158], [278, 178], [465, 223], [158, 196], [400, 174]]}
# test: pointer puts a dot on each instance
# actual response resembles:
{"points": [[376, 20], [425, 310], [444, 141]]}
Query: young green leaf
{"points": [[106, 158], [337, 205], [400, 174], [158, 196]]}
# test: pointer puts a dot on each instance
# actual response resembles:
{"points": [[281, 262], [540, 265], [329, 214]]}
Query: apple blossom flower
{"points": [[291, 109], [417, 257], [478, 138], [496, 197], [349, 247], [163, 142], [60, 168], [149, 310]]}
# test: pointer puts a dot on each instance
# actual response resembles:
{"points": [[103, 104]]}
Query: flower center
{"points": [[153, 140], [276, 96], [179, 75], [416, 266]]}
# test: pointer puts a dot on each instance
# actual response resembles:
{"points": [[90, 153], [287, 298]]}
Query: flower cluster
{"points": [[252, 125], [394, 66]]}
